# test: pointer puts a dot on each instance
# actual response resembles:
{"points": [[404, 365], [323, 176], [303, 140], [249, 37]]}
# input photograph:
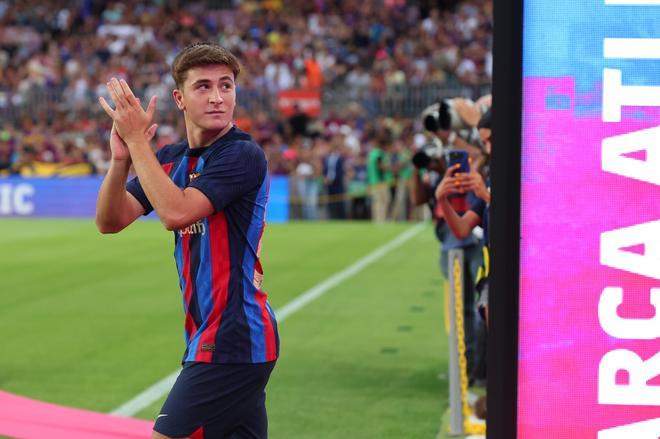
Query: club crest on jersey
{"points": [[193, 175], [194, 229]]}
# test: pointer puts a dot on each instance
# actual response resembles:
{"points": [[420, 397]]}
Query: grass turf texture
{"points": [[90, 321]]}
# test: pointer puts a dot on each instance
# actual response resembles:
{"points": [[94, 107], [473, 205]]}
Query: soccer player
{"points": [[211, 191]]}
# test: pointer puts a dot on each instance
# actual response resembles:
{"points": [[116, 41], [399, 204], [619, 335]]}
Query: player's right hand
{"points": [[118, 148]]}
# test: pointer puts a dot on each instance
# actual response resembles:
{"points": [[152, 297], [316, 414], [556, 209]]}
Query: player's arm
{"points": [[115, 207], [176, 207], [460, 226]]}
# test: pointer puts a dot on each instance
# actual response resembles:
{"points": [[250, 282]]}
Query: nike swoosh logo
{"points": [[160, 416]]}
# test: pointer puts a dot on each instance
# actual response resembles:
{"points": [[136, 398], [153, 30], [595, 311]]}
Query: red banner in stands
{"points": [[309, 101]]}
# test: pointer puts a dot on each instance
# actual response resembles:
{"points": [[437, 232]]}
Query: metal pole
{"points": [[456, 426]]}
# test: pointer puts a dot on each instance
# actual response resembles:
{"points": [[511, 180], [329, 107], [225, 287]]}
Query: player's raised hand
{"points": [[131, 121], [118, 147]]}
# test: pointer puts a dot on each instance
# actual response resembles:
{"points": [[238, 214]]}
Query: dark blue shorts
{"points": [[216, 401]]}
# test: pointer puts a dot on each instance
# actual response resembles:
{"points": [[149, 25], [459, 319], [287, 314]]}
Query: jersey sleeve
{"points": [[231, 173], [134, 188]]}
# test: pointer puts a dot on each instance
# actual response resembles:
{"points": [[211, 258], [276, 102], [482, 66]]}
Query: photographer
{"points": [[462, 225], [454, 123], [430, 166], [378, 174]]}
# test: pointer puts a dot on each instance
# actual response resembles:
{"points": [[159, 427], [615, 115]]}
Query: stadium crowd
{"points": [[56, 57], [366, 44]]}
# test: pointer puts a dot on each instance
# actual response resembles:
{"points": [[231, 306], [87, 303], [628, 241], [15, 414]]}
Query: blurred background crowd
{"points": [[366, 70]]}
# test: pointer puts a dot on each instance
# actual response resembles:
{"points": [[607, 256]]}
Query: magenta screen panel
{"points": [[589, 331]]}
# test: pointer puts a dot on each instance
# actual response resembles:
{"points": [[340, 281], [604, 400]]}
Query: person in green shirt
{"points": [[402, 172], [378, 168]]}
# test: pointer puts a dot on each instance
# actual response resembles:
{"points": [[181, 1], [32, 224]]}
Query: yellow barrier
{"points": [[468, 426]]}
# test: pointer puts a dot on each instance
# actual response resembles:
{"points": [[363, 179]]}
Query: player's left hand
{"points": [[130, 120]]}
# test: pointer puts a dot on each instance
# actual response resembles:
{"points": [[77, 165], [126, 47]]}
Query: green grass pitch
{"points": [[90, 321]]}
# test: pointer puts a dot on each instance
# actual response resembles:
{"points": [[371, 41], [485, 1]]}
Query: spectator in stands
{"points": [[5, 155], [402, 172], [72, 155], [26, 163], [55, 58], [378, 167], [263, 127], [307, 176], [358, 187], [274, 149], [334, 178], [298, 122]]}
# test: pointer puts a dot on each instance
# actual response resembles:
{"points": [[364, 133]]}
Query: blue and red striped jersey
{"points": [[227, 315]]}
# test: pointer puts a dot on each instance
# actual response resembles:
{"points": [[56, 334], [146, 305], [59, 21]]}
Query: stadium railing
{"points": [[401, 100]]}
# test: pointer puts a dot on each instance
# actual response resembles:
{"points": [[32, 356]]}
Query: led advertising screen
{"points": [[589, 327], [76, 198]]}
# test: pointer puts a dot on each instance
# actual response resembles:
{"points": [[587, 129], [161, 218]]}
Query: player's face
{"points": [[208, 96]]}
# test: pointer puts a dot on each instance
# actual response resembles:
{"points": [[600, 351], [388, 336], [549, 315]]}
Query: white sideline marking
{"points": [[147, 397], [155, 392]]}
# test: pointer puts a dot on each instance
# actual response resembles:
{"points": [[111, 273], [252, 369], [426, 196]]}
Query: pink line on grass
{"points": [[29, 419]]}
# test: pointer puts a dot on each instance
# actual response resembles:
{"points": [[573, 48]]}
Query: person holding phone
{"points": [[461, 224], [437, 173], [458, 180]]}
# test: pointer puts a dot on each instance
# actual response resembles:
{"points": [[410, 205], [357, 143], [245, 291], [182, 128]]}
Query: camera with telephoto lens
{"points": [[443, 116], [428, 152]]}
